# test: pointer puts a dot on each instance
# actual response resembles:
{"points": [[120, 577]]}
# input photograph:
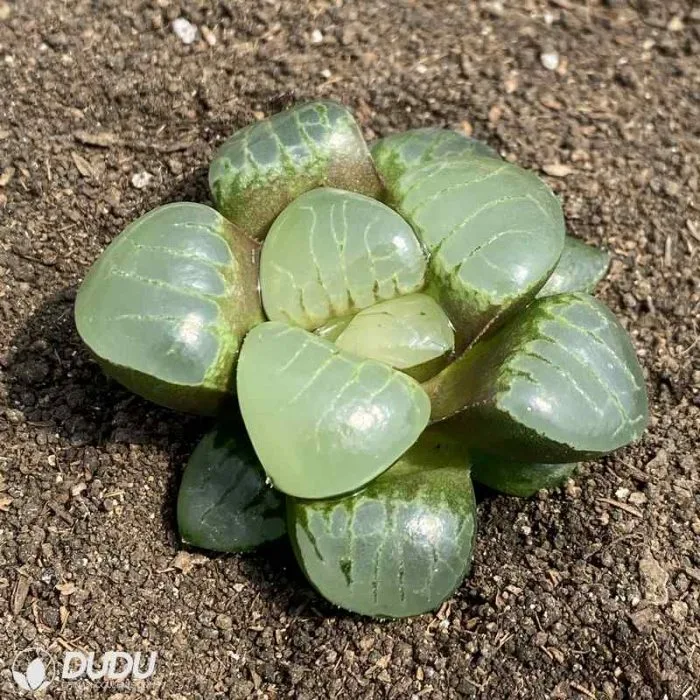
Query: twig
{"points": [[622, 506], [581, 689]]}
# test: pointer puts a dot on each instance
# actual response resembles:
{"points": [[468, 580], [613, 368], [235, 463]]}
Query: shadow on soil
{"points": [[54, 382]]}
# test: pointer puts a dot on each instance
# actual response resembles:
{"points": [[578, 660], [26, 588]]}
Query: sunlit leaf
{"points": [[400, 546], [323, 422], [395, 154], [257, 172], [331, 253], [411, 333], [494, 232], [558, 384], [165, 307]]}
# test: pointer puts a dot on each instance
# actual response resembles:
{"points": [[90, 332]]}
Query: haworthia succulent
{"points": [[411, 333], [522, 479], [395, 154], [400, 546], [165, 307], [257, 172], [494, 231], [560, 383], [331, 252], [323, 422], [224, 503], [579, 269]]}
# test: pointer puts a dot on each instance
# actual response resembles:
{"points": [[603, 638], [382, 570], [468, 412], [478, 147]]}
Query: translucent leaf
{"points": [[165, 307], [579, 269], [395, 154], [224, 503], [494, 232], [400, 546], [522, 479], [331, 253], [560, 383], [323, 422], [411, 333], [257, 172]]}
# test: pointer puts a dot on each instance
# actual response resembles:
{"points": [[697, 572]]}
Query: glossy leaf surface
{"points": [[224, 503], [334, 327], [330, 253], [523, 479], [395, 154], [579, 269], [400, 546], [323, 422], [558, 384], [263, 167], [494, 232], [411, 333], [167, 304]]}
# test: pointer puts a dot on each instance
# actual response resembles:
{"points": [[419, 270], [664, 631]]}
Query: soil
{"points": [[590, 591]]}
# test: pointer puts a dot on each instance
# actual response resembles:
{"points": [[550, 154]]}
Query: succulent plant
{"points": [[393, 322]]}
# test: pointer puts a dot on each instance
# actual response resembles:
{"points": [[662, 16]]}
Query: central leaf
{"points": [[323, 422], [331, 253]]}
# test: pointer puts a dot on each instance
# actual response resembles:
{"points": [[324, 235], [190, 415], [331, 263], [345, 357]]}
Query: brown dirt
{"points": [[589, 592]]}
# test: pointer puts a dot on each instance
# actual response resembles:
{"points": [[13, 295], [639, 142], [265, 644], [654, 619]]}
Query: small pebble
{"points": [[675, 25], [550, 60], [5, 11], [185, 30], [316, 37], [141, 179]]}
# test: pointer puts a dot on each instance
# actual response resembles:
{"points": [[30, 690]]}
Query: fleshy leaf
{"points": [[559, 383], [522, 479], [334, 327], [395, 154], [579, 269], [323, 422], [400, 546], [494, 232], [165, 307], [263, 167], [224, 503], [331, 252], [411, 333]]}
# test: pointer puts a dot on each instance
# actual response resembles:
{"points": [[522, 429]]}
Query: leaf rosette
{"points": [[348, 298]]}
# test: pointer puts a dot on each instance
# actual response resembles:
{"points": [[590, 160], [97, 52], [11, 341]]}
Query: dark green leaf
{"points": [[224, 503], [323, 422], [494, 231], [559, 383], [517, 478], [579, 269], [400, 546], [165, 307], [331, 253], [265, 166]]}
